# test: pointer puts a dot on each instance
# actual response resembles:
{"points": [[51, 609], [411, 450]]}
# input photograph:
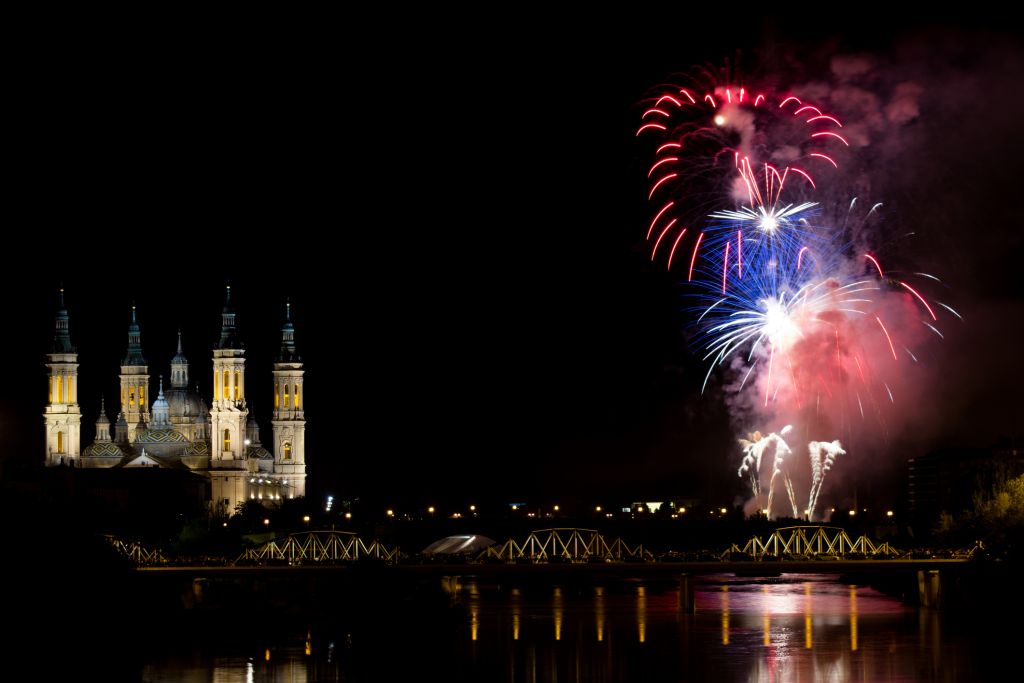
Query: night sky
{"points": [[458, 222]]}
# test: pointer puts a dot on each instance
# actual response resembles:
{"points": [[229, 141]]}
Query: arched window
{"points": [[238, 385], [227, 439], [277, 395], [60, 442], [296, 395], [131, 396], [287, 450], [142, 397], [285, 395], [227, 377]]}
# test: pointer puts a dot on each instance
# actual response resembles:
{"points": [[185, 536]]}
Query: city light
{"points": [[266, 522], [597, 509], [888, 513], [348, 515], [853, 512], [305, 518], [556, 508], [390, 513], [430, 509], [724, 511], [472, 508]]}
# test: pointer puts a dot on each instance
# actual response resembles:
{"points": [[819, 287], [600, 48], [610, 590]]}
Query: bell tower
{"points": [[134, 381], [63, 416], [289, 417]]}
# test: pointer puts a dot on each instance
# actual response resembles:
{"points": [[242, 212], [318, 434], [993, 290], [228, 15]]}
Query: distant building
{"points": [[178, 430]]}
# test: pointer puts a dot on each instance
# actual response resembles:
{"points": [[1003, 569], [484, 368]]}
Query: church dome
{"points": [[185, 403], [260, 453], [197, 448], [101, 449], [160, 436]]}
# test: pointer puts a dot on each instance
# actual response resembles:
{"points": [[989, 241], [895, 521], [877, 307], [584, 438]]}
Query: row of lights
{"points": [[457, 515], [515, 507]]}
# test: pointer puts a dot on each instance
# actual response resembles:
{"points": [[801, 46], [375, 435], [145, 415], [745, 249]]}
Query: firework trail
{"points": [[751, 464], [755, 447], [782, 452], [820, 468], [748, 144]]}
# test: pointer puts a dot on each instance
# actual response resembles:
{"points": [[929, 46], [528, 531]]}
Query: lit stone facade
{"points": [[178, 430]]}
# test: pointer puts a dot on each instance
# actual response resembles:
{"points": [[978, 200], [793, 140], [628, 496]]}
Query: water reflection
{"points": [[641, 612], [725, 614], [556, 603], [853, 618], [790, 628], [808, 619]]}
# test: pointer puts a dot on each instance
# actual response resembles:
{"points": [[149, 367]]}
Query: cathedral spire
{"points": [[134, 355], [228, 336], [62, 333], [102, 423], [179, 368], [288, 354]]}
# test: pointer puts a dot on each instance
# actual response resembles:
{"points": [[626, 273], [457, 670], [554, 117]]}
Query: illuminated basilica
{"points": [[176, 430]]}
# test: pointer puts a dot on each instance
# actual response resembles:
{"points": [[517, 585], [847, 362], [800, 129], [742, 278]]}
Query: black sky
{"points": [[458, 221]]}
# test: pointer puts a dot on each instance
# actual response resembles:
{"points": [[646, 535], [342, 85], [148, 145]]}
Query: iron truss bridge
{"points": [[136, 552], [566, 545], [811, 542], [318, 547]]}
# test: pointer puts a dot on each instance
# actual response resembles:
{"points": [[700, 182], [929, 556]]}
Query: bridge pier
{"points": [[929, 588], [687, 605]]}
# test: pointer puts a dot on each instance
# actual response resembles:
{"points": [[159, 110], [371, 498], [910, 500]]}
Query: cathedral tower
{"points": [[229, 412], [134, 382], [228, 415], [289, 418], [63, 416]]}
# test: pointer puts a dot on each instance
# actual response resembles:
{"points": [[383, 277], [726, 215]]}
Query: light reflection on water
{"points": [[798, 627]]}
